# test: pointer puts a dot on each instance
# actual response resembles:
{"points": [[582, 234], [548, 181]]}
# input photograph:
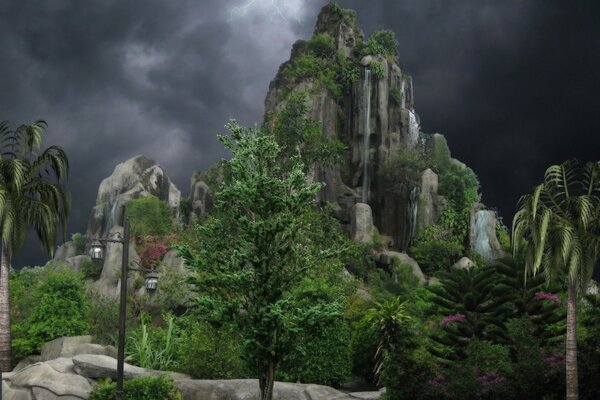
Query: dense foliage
{"points": [[47, 303], [149, 216], [138, 388]]}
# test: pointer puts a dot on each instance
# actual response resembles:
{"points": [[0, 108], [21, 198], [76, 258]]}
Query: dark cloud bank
{"points": [[512, 84]]}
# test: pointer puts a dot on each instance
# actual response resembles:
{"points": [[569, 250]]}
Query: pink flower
{"points": [[452, 318], [547, 296]]}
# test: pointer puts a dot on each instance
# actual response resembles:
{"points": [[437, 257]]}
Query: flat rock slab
{"points": [[367, 395], [96, 366], [43, 376], [247, 389]]}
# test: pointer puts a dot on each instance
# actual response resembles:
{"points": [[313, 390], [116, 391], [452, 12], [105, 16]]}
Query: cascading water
{"points": [[411, 216], [110, 212], [482, 237], [413, 129], [366, 113]]}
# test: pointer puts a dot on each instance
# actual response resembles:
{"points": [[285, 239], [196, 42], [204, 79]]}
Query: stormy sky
{"points": [[514, 85]]}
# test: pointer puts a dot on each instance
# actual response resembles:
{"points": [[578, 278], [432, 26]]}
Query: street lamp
{"points": [[97, 253]]}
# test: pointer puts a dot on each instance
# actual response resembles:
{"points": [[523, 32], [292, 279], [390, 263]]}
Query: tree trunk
{"points": [[571, 356], [267, 381], [5, 339]]}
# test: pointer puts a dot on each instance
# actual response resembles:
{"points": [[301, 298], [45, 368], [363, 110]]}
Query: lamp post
{"points": [[97, 250]]}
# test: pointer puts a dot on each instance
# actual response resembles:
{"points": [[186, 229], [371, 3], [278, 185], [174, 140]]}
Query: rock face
{"points": [[135, 178], [71, 346], [431, 204], [375, 120], [200, 195], [386, 259]]}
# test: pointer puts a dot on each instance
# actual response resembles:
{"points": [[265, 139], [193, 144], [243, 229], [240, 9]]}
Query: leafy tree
{"points": [[31, 195], [558, 225], [255, 248]]}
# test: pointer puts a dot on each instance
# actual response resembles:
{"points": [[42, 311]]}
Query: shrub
{"points": [[377, 68], [138, 388], [104, 318], [80, 241], [396, 95], [321, 45], [208, 351], [149, 217], [380, 42], [153, 249], [48, 303], [435, 249], [91, 269]]}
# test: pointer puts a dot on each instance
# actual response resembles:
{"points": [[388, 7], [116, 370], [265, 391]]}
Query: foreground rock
{"points": [[247, 389], [74, 372]]}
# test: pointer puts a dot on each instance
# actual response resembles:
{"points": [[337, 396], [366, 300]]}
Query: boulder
{"points": [[70, 346], [386, 258], [247, 389], [172, 262], [50, 382], [463, 263], [65, 251], [96, 366], [361, 223], [10, 393], [135, 178], [431, 204]]}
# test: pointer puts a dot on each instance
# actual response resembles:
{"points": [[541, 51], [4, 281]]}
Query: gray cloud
{"points": [[512, 84]]}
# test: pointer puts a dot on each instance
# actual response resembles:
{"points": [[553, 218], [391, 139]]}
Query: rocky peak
{"points": [[135, 178]]}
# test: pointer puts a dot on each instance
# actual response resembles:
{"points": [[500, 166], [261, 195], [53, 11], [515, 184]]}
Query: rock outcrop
{"points": [[135, 178], [482, 235], [80, 363]]}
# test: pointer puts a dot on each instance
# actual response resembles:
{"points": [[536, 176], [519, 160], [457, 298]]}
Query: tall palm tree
{"points": [[31, 196], [559, 227]]}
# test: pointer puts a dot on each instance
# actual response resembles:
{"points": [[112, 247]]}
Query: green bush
{"points": [[157, 352], [149, 217], [138, 388], [80, 241], [396, 95], [377, 68], [91, 269], [380, 42], [321, 45], [208, 351], [104, 318], [47, 303], [435, 249]]}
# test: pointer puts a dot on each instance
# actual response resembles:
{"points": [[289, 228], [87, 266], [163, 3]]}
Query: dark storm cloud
{"points": [[512, 84]]}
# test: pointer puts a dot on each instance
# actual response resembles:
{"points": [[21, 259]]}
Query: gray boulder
{"points": [[65, 251], [361, 223], [45, 382], [463, 263], [247, 389], [482, 234], [386, 258], [200, 195], [431, 204], [96, 366], [71, 346]]}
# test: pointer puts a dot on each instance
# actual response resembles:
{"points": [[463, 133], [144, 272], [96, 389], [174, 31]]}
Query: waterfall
{"points": [[482, 238], [109, 216], [403, 100], [413, 129], [366, 112], [411, 216]]}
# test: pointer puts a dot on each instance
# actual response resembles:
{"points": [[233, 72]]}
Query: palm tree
{"points": [[559, 227], [31, 196]]}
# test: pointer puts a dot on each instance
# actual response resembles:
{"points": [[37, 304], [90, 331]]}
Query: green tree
{"points": [[558, 226], [254, 249], [31, 195]]}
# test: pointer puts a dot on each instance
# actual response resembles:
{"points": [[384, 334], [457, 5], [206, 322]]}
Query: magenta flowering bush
{"points": [[547, 296], [452, 318]]}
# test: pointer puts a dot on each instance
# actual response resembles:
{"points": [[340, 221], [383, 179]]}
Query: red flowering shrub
{"points": [[153, 249]]}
